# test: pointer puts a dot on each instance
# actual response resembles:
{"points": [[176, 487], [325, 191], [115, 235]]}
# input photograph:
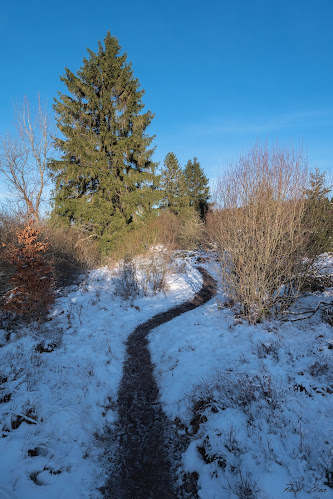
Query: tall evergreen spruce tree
{"points": [[105, 179], [319, 214], [172, 184], [196, 186]]}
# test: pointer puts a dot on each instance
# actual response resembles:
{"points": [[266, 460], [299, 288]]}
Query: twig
{"points": [[311, 312]]}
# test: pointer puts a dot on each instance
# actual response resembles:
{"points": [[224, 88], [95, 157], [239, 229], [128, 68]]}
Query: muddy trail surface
{"points": [[141, 456]]}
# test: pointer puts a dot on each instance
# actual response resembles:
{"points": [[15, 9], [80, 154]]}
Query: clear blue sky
{"points": [[219, 75]]}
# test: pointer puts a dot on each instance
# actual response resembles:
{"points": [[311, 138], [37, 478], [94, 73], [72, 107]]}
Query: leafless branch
{"points": [[23, 156]]}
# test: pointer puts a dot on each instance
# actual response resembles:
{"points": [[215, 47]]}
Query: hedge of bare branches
{"points": [[258, 230]]}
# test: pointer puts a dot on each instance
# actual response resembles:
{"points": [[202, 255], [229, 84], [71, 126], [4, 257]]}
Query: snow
{"points": [[254, 401], [71, 391]]}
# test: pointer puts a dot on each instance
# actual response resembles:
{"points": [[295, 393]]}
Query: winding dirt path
{"points": [[142, 468]]}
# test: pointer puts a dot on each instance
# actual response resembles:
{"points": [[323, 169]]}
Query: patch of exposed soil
{"points": [[144, 444]]}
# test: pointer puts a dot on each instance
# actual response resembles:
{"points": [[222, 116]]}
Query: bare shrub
{"points": [[71, 252], [144, 275], [161, 230], [245, 488], [169, 227], [9, 225], [183, 231], [126, 281], [180, 231], [191, 230], [258, 231], [138, 241], [154, 269]]}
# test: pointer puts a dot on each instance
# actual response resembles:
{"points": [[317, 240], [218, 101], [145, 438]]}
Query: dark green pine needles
{"points": [[173, 185], [196, 186], [105, 180], [185, 191]]}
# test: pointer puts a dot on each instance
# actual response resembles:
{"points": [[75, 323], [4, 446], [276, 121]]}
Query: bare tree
{"points": [[23, 156]]}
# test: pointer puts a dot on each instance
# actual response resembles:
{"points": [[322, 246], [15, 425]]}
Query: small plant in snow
{"points": [[304, 449], [155, 270], [225, 390], [97, 298], [245, 488], [143, 276], [79, 309], [126, 282], [321, 368], [230, 441], [268, 349], [327, 314]]}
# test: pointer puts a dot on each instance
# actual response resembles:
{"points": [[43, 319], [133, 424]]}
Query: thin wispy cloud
{"points": [[301, 119]]}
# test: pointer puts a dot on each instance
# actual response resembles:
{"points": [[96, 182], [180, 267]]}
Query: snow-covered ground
{"points": [[54, 403], [254, 400]]}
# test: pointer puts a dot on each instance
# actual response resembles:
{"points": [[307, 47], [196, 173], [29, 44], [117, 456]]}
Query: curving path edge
{"points": [[142, 468]]}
